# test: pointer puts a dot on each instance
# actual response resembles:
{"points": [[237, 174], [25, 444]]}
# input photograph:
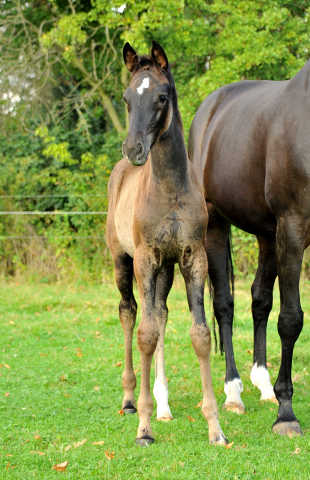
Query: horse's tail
{"points": [[231, 281]]}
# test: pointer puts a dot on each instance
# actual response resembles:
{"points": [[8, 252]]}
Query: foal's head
{"points": [[150, 98]]}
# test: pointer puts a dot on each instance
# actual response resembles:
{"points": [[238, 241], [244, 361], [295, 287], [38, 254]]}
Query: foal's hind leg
{"points": [[163, 287], [218, 251], [127, 314], [194, 271], [262, 290]]}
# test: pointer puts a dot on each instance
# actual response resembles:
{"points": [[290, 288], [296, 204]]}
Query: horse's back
{"points": [[227, 145]]}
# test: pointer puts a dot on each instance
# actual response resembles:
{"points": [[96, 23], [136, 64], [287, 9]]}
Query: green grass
{"points": [[58, 398]]}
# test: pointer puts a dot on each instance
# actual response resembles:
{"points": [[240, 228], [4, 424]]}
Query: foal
{"points": [[157, 217]]}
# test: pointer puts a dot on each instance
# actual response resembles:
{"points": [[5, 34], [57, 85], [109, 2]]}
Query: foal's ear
{"points": [[130, 57], [158, 54]]}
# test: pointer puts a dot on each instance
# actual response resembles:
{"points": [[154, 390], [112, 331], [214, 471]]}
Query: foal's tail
{"points": [[231, 281]]}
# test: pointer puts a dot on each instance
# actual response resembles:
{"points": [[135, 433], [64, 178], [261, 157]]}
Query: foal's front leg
{"points": [[194, 271], [146, 271]]}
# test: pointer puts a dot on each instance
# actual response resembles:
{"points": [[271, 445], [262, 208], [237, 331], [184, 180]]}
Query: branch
{"points": [[104, 97]]}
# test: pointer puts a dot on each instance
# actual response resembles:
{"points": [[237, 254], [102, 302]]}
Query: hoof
{"points": [[144, 442], [222, 440], [271, 399], [165, 418], [234, 407], [287, 428], [129, 411]]}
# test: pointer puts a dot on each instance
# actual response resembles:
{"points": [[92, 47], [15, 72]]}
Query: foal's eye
{"points": [[124, 99], [162, 99]]}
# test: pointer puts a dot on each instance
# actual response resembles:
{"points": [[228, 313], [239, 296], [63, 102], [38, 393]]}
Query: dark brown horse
{"points": [[250, 146], [157, 217]]}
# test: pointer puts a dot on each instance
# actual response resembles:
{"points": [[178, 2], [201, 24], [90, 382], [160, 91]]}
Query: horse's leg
{"points": [[218, 252], [262, 290], [194, 270], [127, 314], [163, 287], [291, 232], [146, 272]]}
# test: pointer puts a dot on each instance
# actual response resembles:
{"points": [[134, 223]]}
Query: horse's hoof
{"points": [[287, 428], [130, 411], [234, 407], [221, 440], [144, 442], [165, 418]]}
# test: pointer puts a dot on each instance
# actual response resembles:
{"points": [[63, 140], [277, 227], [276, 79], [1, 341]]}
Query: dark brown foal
{"points": [[157, 217]]}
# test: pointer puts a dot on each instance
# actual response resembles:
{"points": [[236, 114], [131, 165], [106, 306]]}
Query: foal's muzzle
{"points": [[135, 154]]}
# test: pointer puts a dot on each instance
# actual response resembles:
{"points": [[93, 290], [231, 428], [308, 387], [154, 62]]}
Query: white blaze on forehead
{"points": [[145, 84]]}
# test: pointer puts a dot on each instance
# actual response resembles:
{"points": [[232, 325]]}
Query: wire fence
{"points": [[55, 212]]}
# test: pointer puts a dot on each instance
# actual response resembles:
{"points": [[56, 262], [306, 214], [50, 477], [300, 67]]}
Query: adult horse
{"points": [[250, 145], [157, 217]]}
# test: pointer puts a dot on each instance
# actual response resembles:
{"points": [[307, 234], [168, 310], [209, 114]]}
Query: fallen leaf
{"points": [[12, 323], [61, 467], [37, 437], [79, 444], [121, 412], [39, 453], [250, 351], [7, 394], [97, 388], [79, 354], [296, 451], [199, 404], [7, 366], [136, 371], [243, 446], [109, 455], [8, 466], [68, 448], [167, 379], [191, 419], [43, 354], [117, 364], [67, 394], [65, 348], [37, 313], [121, 345], [97, 319], [101, 442], [268, 365], [97, 333], [229, 445], [9, 455]]}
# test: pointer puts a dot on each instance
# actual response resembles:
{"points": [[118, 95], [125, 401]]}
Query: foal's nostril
{"points": [[139, 148]]}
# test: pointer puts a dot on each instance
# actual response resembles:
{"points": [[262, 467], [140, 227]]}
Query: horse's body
{"points": [[157, 217], [250, 146]]}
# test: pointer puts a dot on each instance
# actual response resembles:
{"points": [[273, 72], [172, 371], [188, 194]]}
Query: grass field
{"points": [[61, 392]]}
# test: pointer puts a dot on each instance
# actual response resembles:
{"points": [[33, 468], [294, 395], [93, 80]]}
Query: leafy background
{"points": [[63, 120]]}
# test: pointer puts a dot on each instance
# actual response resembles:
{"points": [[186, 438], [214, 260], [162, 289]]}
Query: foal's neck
{"points": [[169, 160]]}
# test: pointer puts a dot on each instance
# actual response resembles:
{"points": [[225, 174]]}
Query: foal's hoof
{"points": [[165, 418], [234, 407], [287, 428], [144, 442], [130, 411], [221, 440], [270, 399]]}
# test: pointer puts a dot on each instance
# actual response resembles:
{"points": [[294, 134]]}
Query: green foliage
{"points": [[63, 120]]}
